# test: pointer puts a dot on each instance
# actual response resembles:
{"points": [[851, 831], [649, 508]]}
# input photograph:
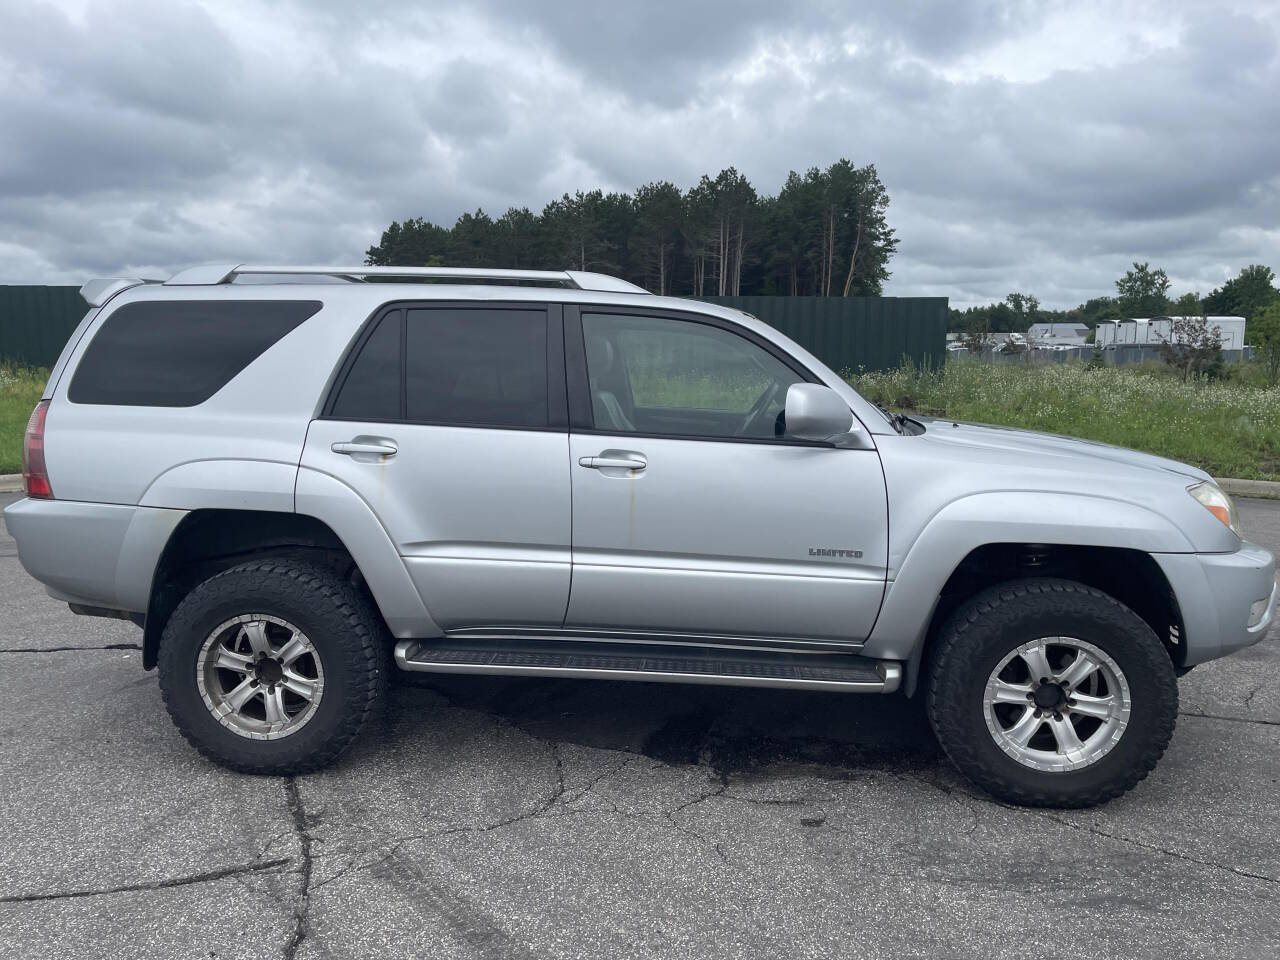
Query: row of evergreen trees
{"points": [[824, 233]]}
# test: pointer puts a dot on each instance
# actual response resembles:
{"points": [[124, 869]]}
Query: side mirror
{"points": [[815, 412]]}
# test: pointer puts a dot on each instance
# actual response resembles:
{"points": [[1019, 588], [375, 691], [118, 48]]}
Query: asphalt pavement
{"points": [[532, 818]]}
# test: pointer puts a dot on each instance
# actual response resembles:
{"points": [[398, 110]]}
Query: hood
{"points": [[1050, 452]]}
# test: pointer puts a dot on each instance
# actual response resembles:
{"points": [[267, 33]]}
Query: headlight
{"points": [[1216, 502]]}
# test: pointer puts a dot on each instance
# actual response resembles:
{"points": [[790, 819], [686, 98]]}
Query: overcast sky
{"points": [[1025, 146]]}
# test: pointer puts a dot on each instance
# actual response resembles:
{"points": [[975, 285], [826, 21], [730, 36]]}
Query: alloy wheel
{"points": [[1057, 704], [260, 676]]}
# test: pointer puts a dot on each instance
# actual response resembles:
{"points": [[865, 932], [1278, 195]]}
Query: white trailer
{"points": [[1157, 330]]}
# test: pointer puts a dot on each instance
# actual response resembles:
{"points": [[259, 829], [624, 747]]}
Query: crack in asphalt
{"points": [[204, 877], [556, 793], [303, 904], [1218, 716], [1156, 848], [107, 646], [689, 831], [561, 796], [1097, 831], [1254, 692]]}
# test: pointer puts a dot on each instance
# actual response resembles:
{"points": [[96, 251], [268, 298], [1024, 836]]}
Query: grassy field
{"points": [[20, 389], [1229, 428]]}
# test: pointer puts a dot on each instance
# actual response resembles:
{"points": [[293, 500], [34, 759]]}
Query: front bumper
{"points": [[1227, 600]]}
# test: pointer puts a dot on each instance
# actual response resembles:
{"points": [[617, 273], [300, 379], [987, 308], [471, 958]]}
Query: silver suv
{"points": [[300, 480]]}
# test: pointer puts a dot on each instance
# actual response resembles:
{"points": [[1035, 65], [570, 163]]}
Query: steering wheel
{"points": [[758, 408]]}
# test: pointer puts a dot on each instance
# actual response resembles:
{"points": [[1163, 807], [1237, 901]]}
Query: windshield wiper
{"points": [[896, 420]]}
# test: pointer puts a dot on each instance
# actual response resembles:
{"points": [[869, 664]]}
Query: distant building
{"points": [[1071, 333], [1157, 330]]}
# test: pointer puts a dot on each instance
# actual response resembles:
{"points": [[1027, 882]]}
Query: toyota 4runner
{"points": [[296, 480]]}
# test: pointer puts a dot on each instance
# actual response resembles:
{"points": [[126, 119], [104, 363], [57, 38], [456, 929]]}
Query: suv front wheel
{"points": [[272, 666], [1051, 693]]}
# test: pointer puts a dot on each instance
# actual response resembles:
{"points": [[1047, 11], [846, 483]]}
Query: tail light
{"points": [[34, 473]]}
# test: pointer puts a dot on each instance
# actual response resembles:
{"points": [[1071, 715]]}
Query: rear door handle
{"points": [[366, 447], [613, 463]]}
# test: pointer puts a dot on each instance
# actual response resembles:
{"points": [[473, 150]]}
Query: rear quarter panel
{"points": [[107, 453]]}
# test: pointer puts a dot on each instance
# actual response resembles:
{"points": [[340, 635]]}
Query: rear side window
{"points": [[371, 390], [485, 367], [482, 367], [178, 353]]}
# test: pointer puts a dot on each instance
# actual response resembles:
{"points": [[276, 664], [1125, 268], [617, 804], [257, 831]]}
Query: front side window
{"points": [[682, 378], [457, 366], [179, 353]]}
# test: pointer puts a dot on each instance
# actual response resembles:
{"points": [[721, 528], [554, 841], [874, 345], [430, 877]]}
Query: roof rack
{"points": [[210, 274]]}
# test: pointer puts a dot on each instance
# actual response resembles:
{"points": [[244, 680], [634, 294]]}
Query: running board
{"points": [[665, 663]]}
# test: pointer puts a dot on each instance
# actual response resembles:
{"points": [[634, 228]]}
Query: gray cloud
{"points": [[1025, 145]]}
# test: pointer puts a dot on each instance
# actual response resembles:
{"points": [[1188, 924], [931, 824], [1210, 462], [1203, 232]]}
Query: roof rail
{"points": [[209, 274]]}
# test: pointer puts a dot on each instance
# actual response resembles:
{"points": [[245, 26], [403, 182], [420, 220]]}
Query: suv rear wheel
{"points": [[1051, 693], [272, 666]]}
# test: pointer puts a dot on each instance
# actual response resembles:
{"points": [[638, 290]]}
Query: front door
{"points": [[449, 421], [693, 512]]}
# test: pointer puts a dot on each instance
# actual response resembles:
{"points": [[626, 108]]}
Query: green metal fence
{"points": [[35, 322], [846, 333], [853, 333]]}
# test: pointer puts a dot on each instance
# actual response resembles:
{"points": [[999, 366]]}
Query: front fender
{"points": [[919, 570]]}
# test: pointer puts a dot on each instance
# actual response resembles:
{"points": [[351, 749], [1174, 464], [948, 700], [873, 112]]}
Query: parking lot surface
{"points": [[531, 818]]}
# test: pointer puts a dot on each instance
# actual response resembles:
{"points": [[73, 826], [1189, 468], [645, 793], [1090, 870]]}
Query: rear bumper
{"points": [[1227, 600], [94, 554]]}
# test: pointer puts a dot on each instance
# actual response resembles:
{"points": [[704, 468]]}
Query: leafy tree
{"points": [[572, 231], [869, 238], [727, 204], [1143, 292], [695, 231], [1099, 308], [659, 208], [1188, 305], [1194, 347], [995, 317], [786, 223], [414, 243], [977, 334], [473, 242], [1025, 307], [1264, 331], [1245, 295], [516, 240]]}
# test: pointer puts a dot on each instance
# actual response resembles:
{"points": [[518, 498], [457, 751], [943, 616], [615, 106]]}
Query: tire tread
{"points": [[998, 606], [362, 644]]}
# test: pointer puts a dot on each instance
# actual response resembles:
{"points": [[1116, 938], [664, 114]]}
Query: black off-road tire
{"points": [[345, 629], [990, 625]]}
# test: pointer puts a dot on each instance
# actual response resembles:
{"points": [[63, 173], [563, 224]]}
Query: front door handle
{"points": [[634, 462], [367, 447]]}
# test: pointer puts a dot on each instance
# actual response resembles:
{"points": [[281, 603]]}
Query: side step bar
{"points": [[663, 662]]}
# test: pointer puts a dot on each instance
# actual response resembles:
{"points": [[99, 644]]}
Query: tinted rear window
{"points": [[371, 390], [178, 353], [484, 367]]}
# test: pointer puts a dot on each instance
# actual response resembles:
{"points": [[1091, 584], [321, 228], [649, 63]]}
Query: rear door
{"points": [[693, 512], [449, 420]]}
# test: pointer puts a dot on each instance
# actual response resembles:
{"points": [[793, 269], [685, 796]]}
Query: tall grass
{"points": [[1229, 428], [20, 389]]}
